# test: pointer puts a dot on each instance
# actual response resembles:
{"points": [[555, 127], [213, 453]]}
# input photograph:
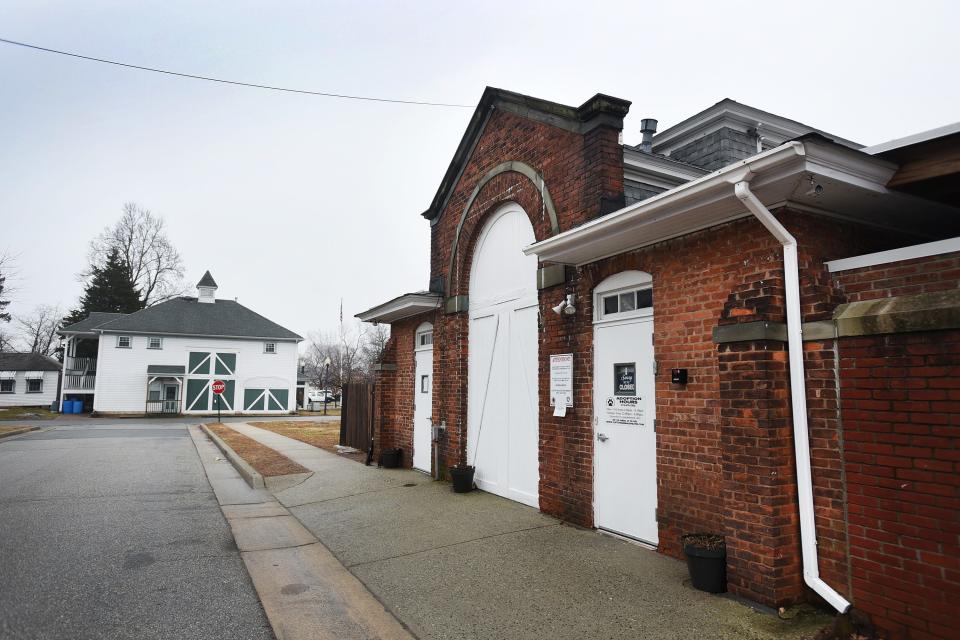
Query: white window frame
{"points": [[423, 338], [29, 380], [13, 385], [159, 343], [129, 340], [267, 348], [616, 285]]}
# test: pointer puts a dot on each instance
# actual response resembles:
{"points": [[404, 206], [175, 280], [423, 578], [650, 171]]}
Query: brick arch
{"points": [[503, 185]]}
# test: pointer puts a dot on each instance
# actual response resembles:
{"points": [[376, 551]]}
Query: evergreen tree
{"points": [[109, 289]]}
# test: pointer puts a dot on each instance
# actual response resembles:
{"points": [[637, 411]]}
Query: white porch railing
{"points": [[79, 383], [81, 364]]}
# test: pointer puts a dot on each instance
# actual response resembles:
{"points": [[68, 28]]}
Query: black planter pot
{"points": [[462, 479], [707, 566], [390, 458]]}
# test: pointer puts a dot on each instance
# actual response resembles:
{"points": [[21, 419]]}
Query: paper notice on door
{"points": [[625, 410], [560, 409]]}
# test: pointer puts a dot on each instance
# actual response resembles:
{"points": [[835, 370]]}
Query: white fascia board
{"points": [[916, 138], [709, 201], [950, 245], [712, 187], [399, 308], [648, 163]]}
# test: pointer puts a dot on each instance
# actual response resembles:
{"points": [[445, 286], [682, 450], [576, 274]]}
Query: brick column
{"points": [[759, 490]]}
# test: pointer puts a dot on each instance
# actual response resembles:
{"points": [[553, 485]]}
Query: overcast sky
{"points": [[295, 201]]}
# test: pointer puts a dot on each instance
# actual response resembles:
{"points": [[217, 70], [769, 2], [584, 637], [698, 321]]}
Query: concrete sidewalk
{"points": [[306, 593], [479, 566]]}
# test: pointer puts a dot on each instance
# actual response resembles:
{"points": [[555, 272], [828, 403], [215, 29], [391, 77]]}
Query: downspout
{"points": [[798, 396]]}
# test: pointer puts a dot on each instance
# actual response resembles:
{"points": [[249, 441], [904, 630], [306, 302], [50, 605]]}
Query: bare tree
{"points": [[345, 351], [7, 340], [7, 270], [38, 330], [140, 237], [375, 343]]}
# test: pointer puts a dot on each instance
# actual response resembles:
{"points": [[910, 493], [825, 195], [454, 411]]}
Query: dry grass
{"points": [[331, 411], [26, 413], [265, 460], [323, 435]]}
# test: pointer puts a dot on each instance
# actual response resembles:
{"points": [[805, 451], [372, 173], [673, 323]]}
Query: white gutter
{"points": [[798, 395]]}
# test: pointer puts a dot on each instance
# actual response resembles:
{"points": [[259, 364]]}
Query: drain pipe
{"points": [[798, 396]]}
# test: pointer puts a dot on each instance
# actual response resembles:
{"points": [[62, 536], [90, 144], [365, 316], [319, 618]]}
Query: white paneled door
{"points": [[423, 405], [625, 474], [502, 413]]}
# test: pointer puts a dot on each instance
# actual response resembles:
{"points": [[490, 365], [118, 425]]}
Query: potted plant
{"points": [[706, 560], [462, 476], [390, 458]]}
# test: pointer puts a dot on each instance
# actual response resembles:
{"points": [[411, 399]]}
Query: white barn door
{"points": [[502, 412]]}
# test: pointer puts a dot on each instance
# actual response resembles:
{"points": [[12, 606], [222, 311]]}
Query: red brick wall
{"points": [[579, 170], [396, 390], [901, 420], [905, 278]]}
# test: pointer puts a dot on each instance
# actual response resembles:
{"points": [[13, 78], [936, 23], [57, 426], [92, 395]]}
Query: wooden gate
{"points": [[356, 416]]}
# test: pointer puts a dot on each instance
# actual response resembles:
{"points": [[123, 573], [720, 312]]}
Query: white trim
{"points": [[407, 305], [708, 201], [916, 138], [950, 245]]}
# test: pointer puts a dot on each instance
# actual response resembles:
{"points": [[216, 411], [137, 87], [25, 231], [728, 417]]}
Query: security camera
{"points": [[565, 307]]}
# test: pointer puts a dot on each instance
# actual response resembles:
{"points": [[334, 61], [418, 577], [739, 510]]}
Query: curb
{"points": [[248, 473], [7, 434]]}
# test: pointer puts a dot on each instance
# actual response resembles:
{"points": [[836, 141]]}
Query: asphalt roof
{"points": [[186, 316], [92, 321], [27, 362], [207, 280]]}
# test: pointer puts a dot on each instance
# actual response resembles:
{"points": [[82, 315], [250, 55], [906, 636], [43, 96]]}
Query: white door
{"points": [[502, 411], [625, 460], [423, 399]]}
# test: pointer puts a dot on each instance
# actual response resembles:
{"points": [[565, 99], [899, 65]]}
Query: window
{"points": [[35, 385], [8, 386], [628, 301], [124, 342], [154, 343], [425, 339], [269, 347], [424, 384]]}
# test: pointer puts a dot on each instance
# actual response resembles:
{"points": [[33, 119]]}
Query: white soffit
{"points": [[818, 175], [405, 306]]}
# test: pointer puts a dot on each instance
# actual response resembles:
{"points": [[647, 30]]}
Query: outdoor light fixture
{"points": [[566, 306]]}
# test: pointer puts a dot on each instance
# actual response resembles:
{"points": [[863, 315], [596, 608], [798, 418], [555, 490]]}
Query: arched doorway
{"points": [[502, 412]]}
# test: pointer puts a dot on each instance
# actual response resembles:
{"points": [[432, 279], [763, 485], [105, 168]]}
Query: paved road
{"points": [[111, 530]]}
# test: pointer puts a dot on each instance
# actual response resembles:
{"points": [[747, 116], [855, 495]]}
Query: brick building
{"points": [[763, 321]]}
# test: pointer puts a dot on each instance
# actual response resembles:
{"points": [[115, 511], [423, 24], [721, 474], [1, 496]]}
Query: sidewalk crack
{"points": [[453, 544]]}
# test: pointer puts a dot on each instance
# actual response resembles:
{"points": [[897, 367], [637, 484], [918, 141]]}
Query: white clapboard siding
{"points": [[23, 399], [121, 385]]}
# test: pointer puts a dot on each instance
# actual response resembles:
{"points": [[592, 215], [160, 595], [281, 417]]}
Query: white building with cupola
{"points": [[165, 358]]}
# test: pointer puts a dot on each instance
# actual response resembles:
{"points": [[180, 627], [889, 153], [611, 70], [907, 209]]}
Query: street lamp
{"points": [[326, 383]]}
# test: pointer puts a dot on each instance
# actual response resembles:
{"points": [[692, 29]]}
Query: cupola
{"points": [[207, 288]]}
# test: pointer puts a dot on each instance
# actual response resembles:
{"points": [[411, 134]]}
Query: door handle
{"points": [[602, 437]]}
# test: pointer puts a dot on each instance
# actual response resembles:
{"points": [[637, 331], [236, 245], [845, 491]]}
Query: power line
{"points": [[235, 82]]}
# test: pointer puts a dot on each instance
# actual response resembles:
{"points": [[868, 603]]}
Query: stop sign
{"points": [[218, 386]]}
